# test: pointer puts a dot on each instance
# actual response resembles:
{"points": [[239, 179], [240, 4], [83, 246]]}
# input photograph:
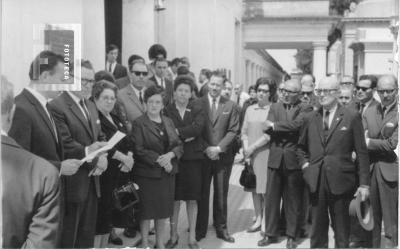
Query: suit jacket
{"points": [[119, 71], [148, 146], [354, 105], [32, 124], [346, 134], [285, 134], [30, 198], [76, 134], [129, 102], [169, 89], [203, 90], [191, 126], [224, 129], [383, 139]]}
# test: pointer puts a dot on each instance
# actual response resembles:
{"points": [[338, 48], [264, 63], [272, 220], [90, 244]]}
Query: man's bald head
{"points": [[329, 83], [308, 79], [387, 89], [293, 84], [388, 79]]}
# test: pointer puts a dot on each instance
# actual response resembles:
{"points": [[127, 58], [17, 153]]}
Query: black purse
{"points": [[125, 196], [247, 177]]}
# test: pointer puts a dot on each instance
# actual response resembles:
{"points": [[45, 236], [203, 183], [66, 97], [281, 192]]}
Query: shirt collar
{"points": [[42, 100], [137, 91], [210, 99], [332, 110], [366, 104], [74, 97], [389, 106]]}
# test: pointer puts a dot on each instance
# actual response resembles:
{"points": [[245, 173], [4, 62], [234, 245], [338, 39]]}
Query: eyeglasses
{"points": [[364, 89], [306, 93], [288, 92], [346, 83], [387, 91], [137, 73], [262, 91], [324, 91], [344, 98]]}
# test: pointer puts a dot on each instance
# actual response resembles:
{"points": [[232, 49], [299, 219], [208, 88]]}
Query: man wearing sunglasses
{"points": [[307, 90], [327, 140], [284, 172], [381, 125], [364, 93], [130, 98]]}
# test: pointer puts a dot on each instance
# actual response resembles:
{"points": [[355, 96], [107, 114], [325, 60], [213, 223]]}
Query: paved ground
{"points": [[240, 213]]}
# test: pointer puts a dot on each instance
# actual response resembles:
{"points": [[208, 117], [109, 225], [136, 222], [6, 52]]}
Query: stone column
{"points": [[319, 60]]}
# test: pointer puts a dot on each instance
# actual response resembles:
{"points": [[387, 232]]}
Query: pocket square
{"points": [[389, 124], [344, 128], [225, 113]]}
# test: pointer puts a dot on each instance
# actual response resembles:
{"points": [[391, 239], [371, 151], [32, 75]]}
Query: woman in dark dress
{"points": [[189, 121], [157, 149], [120, 162]]}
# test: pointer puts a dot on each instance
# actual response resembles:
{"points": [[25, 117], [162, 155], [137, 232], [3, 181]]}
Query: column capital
{"points": [[320, 45]]}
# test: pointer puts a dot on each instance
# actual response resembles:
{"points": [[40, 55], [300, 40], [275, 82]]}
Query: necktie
{"points": [[383, 112], [326, 121], [162, 83], [362, 106], [214, 108], [83, 105], [109, 68], [287, 107], [140, 97], [52, 122]]}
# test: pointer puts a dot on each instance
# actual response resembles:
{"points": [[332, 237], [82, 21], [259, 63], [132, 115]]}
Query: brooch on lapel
{"points": [[188, 110], [98, 121], [120, 125], [344, 128], [161, 133]]}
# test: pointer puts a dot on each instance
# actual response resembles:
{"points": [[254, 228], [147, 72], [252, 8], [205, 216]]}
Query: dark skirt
{"points": [[107, 215], [156, 196], [188, 180]]}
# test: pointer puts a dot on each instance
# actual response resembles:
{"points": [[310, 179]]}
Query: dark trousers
{"points": [[305, 216], [220, 173], [384, 199], [79, 223], [322, 202], [287, 185]]}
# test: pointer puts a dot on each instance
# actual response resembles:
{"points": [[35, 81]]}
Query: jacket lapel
{"points": [[390, 114], [134, 98], [220, 108], [318, 118], [41, 111], [335, 122], [78, 113]]}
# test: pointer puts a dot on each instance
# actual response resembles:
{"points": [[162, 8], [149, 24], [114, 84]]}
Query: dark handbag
{"points": [[247, 178], [125, 197]]}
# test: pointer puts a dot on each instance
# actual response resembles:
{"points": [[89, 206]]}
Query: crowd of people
{"points": [[311, 150]]}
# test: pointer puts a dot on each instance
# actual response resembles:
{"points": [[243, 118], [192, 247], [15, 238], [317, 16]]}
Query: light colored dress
{"points": [[253, 135]]}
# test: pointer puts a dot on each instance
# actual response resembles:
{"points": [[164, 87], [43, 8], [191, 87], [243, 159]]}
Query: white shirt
{"points": [[210, 100], [113, 65], [76, 100], [3, 133], [137, 92], [331, 114], [160, 82]]}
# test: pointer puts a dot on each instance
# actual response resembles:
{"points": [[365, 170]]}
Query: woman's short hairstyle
{"points": [[185, 80], [100, 86], [182, 70], [155, 50], [252, 87], [271, 85], [151, 91], [104, 75]]}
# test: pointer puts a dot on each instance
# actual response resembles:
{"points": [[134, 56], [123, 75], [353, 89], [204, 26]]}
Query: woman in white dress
{"points": [[256, 144]]}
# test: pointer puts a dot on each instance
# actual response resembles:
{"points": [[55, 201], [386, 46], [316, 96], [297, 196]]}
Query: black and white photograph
{"points": [[199, 124]]}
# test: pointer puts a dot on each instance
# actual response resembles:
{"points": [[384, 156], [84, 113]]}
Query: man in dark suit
{"points": [[112, 65], [381, 125], [30, 189], [32, 120], [160, 79], [77, 120], [125, 81], [221, 129], [204, 78], [363, 101], [284, 173], [328, 138]]}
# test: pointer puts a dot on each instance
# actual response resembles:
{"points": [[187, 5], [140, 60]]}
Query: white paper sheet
{"points": [[110, 144]]}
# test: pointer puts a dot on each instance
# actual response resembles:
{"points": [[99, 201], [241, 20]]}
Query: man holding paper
{"points": [[77, 120]]}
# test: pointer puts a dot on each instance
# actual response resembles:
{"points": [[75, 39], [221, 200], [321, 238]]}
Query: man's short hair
{"points": [[111, 47], [218, 73], [182, 70], [175, 62], [372, 78], [84, 63], [155, 50], [7, 95], [206, 72], [104, 75], [45, 61], [134, 58], [160, 60]]}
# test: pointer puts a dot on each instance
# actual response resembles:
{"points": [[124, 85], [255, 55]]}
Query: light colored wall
{"points": [[18, 18]]}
